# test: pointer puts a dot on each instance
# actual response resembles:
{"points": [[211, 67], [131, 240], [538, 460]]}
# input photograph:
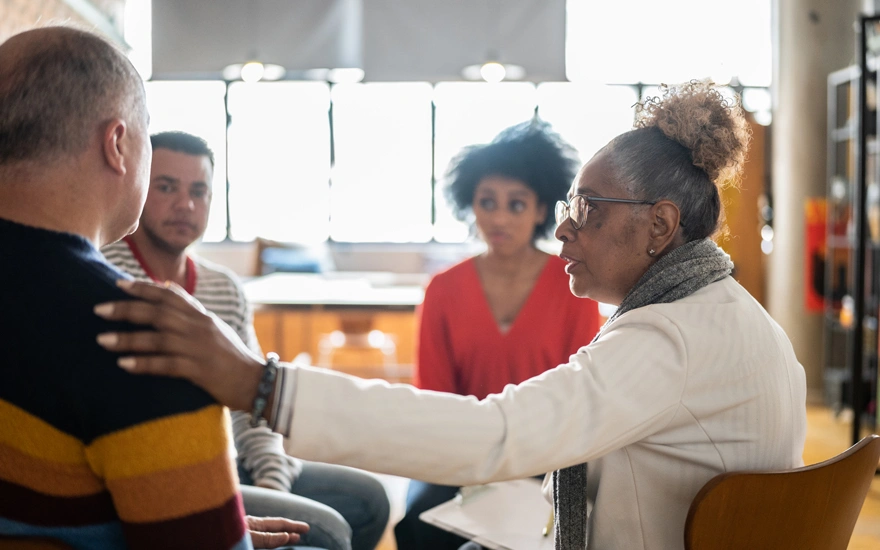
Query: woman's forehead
{"points": [[503, 184], [594, 178]]}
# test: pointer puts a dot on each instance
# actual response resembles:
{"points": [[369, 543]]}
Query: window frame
{"points": [[639, 87]]}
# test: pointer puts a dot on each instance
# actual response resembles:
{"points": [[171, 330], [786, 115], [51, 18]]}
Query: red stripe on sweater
{"points": [[219, 528], [27, 506]]}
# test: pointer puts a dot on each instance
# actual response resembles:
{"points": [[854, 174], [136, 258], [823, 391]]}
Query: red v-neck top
{"points": [[460, 348], [191, 276]]}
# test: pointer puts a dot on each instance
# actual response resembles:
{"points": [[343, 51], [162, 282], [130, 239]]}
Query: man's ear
{"points": [[114, 139], [664, 225]]}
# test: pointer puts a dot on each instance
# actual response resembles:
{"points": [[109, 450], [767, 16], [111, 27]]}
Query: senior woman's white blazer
{"points": [[667, 397]]}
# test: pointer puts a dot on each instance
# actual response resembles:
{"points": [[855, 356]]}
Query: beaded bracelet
{"points": [[267, 382]]}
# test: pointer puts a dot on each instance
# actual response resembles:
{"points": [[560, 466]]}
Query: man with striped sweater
{"points": [[90, 457], [344, 508]]}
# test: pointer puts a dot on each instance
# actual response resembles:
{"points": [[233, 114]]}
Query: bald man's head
{"points": [[58, 86]]}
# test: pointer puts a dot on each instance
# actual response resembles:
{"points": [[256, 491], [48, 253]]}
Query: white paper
{"points": [[508, 515]]}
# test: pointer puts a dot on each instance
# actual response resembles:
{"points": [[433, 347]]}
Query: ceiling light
{"points": [[493, 71], [345, 75], [253, 71]]}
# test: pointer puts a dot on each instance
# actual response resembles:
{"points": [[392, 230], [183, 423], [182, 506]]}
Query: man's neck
{"points": [[47, 202], [163, 265]]}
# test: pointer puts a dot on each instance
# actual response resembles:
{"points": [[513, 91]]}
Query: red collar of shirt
{"points": [[189, 287]]}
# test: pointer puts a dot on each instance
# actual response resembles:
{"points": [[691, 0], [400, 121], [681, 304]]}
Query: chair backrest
{"points": [[809, 508]]}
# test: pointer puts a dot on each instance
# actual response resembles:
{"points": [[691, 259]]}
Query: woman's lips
{"points": [[570, 263], [497, 237]]}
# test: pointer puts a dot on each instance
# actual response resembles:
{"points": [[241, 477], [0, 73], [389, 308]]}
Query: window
{"points": [[367, 162], [279, 161], [381, 183], [386, 137], [587, 116]]}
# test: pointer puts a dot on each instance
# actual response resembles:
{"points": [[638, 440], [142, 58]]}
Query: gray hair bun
{"points": [[711, 126]]}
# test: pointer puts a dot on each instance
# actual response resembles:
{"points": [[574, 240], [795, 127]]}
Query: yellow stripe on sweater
{"points": [[48, 477], [176, 493], [35, 437], [162, 444]]}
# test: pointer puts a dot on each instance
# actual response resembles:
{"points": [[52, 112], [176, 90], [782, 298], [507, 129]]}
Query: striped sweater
{"points": [[260, 451], [91, 455]]}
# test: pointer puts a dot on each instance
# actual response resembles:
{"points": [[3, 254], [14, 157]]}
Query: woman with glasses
{"points": [[689, 378], [506, 315]]}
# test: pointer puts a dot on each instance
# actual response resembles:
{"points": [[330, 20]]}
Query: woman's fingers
{"points": [[169, 294], [147, 313], [164, 365], [145, 342]]}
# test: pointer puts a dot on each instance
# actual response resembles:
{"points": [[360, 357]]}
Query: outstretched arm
{"points": [[437, 437]]}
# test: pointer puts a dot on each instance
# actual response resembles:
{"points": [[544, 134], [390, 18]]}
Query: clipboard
{"points": [[507, 515]]}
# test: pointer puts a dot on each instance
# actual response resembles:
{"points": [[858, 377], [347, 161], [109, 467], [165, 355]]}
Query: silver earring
{"points": [[651, 252]]}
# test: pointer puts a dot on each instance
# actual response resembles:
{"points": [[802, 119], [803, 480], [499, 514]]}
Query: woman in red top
{"points": [[506, 315]]}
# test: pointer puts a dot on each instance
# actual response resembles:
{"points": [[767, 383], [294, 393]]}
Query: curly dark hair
{"points": [[529, 152], [685, 147]]}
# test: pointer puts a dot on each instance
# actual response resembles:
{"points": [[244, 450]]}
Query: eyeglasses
{"points": [[578, 207]]}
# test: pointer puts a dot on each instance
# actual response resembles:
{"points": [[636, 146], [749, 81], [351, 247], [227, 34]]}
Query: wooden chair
{"points": [[809, 508]]}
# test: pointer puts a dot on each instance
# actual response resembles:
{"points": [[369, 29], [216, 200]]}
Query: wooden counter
{"points": [[296, 313]]}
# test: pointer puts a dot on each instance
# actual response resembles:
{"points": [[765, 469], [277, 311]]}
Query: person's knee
{"points": [[377, 499], [327, 527]]}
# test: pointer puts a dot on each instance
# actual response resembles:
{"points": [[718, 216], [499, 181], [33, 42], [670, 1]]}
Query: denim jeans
{"points": [[346, 509], [411, 533]]}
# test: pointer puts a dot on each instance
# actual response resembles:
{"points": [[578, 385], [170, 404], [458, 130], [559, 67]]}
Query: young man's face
{"points": [[176, 212]]}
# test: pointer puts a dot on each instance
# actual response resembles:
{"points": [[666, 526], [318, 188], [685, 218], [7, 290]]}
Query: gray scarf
{"points": [[674, 276]]}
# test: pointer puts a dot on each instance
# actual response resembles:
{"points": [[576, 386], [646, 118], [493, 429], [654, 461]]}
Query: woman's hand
{"points": [[275, 532], [188, 343]]}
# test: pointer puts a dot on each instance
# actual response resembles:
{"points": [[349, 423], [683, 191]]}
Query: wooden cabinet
{"points": [[289, 331], [359, 323], [280, 331]]}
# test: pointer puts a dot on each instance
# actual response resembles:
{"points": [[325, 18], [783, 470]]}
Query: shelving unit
{"points": [[851, 290]]}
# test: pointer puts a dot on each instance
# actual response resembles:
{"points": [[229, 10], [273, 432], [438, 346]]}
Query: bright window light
{"points": [[587, 116], [138, 33], [196, 108], [381, 183], [672, 41], [279, 161]]}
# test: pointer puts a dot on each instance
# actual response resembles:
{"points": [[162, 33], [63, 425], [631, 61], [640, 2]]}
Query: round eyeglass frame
{"points": [[582, 208]]}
